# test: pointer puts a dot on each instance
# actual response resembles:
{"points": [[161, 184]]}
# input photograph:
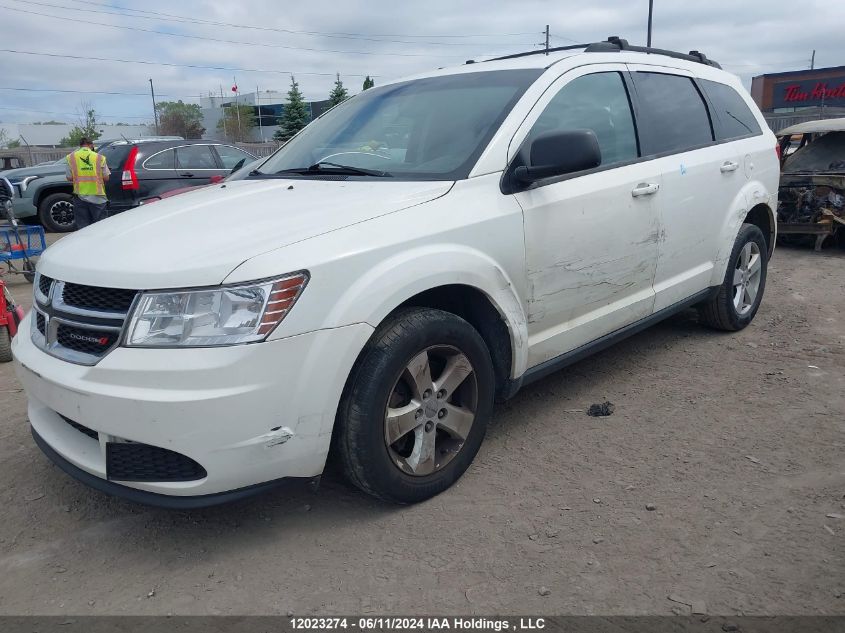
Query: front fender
{"points": [[43, 187], [387, 285]]}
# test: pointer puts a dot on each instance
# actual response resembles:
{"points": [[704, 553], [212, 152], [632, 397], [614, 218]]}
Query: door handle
{"points": [[645, 189], [729, 165], [187, 174]]}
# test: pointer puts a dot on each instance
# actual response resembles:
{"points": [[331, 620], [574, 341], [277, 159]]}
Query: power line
{"points": [[214, 39], [110, 116], [99, 92], [342, 34], [173, 65]]}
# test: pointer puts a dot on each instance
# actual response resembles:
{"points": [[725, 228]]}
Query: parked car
{"points": [[239, 172], [140, 169], [811, 200], [371, 304]]}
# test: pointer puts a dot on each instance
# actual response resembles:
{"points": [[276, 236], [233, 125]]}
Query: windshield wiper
{"points": [[335, 168]]}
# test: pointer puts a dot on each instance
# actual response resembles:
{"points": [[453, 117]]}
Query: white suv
{"points": [[417, 252]]}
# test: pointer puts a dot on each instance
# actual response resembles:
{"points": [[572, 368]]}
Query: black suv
{"points": [[145, 170]]}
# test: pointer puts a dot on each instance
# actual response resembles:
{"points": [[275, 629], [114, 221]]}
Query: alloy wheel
{"points": [[431, 410], [62, 213], [747, 277]]}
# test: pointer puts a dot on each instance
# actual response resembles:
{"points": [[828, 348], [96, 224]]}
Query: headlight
{"points": [[225, 315]]}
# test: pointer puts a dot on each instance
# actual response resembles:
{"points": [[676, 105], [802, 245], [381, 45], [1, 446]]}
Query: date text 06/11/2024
{"points": [[417, 623]]}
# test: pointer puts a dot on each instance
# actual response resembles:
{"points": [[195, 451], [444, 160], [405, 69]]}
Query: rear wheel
{"points": [[416, 407], [741, 292], [5, 344], [55, 212]]}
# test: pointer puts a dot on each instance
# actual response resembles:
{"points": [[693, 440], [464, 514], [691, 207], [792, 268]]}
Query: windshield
{"points": [[426, 129]]}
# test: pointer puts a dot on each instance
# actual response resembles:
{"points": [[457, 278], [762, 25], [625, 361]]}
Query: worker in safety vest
{"points": [[88, 172]]}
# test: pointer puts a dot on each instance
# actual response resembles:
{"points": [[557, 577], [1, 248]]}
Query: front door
{"points": [[591, 239]]}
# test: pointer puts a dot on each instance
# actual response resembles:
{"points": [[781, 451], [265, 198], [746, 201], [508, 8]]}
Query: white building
{"points": [[268, 106], [50, 135]]}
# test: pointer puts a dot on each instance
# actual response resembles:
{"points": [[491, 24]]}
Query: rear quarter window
{"points": [[733, 118], [116, 155]]}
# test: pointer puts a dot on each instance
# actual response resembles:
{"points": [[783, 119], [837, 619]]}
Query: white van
{"points": [[419, 251]]}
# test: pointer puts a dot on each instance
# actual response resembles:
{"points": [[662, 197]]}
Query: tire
{"points": [[28, 271], [5, 344], [442, 414], [727, 310], [55, 212]]}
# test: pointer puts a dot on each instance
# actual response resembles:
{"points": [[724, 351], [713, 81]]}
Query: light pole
{"points": [[650, 9]]}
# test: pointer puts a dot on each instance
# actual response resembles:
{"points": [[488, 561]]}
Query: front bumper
{"points": [[248, 414]]}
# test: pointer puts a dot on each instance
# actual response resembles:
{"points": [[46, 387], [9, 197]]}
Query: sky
{"points": [[266, 41]]}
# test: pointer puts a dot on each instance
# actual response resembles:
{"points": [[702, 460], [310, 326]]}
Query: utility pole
{"points": [[225, 133], [813, 60], [650, 10], [258, 108], [237, 108], [547, 39], [155, 113]]}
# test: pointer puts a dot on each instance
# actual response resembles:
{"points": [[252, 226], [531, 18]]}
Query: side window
{"points": [[162, 160], [676, 112], [733, 116], [231, 156], [597, 102], [195, 157]]}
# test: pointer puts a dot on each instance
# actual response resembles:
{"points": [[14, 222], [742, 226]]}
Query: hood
{"points": [[42, 170], [198, 238]]}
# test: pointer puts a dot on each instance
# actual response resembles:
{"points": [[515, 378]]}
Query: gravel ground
{"points": [[736, 442]]}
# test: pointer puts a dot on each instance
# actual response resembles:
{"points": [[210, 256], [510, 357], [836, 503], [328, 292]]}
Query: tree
{"points": [[13, 144], [339, 94], [237, 123], [368, 83], [85, 128], [295, 116], [176, 118]]}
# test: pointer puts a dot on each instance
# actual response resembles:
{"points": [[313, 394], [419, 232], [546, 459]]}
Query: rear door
{"points": [[677, 131], [157, 171]]}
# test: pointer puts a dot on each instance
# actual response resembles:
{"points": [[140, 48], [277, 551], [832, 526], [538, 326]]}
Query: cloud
{"points": [[747, 38]]}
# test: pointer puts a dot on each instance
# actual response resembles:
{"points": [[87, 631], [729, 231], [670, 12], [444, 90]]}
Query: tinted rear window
{"points": [[733, 117], [678, 118], [116, 155]]}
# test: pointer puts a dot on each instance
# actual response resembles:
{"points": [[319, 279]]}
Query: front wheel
{"points": [[55, 212], [416, 406], [741, 292]]}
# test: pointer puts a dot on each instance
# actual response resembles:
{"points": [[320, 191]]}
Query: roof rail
{"points": [[616, 44]]}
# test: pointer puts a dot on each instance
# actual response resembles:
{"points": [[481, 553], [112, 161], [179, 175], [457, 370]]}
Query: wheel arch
{"points": [[751, 205], [453, 278], [50, 189]]}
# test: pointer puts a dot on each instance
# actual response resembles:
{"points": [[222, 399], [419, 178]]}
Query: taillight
{"points": [[129, 179], [778, 151]]}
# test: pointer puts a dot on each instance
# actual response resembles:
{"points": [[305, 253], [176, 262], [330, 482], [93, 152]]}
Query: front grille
{"points": [[142, 462], [94, 298], [82, 429], [44, 284], [78, 323], [84, 340]]}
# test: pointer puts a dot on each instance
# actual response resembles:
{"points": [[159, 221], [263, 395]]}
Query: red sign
{"points": [[811, 92]]}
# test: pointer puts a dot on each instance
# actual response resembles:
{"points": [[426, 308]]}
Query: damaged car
{"points": [[812, 185]]}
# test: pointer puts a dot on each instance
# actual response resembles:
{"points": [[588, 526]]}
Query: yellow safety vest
{"points": [[86, 169]]}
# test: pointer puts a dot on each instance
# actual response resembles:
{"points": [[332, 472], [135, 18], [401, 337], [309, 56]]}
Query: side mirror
{"points": [[558, 153]]}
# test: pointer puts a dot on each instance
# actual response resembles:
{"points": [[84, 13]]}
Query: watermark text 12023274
{"points": [[418, 623]]}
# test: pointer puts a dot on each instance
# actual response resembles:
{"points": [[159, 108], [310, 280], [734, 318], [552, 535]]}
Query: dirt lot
{"points": [[737, 440]]}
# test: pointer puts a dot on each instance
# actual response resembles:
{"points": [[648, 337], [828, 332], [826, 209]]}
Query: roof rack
{"points": [[615, 44]]}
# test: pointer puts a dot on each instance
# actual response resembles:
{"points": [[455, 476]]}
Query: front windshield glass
{"points": [[425, 129]]}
